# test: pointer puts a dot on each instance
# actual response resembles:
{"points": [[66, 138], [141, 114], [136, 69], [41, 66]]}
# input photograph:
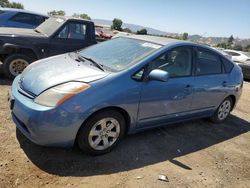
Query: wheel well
{"points": [[2, 57], [120, 110], [233, 99], [26, 51], [30, 53]]}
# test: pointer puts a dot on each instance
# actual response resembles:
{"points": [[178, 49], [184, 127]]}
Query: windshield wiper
{"points": [[92, 61]]}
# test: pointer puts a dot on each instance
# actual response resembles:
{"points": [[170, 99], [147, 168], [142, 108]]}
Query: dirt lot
{"points": [[191, 154]]}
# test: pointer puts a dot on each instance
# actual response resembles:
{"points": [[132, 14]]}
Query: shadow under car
{"points": [[136, 151]]}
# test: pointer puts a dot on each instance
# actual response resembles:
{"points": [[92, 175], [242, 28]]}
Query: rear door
{"points": [[211, 80], [71, 36]]}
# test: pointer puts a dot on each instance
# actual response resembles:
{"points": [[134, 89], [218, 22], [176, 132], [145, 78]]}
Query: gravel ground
{"points": [[191, 154]]}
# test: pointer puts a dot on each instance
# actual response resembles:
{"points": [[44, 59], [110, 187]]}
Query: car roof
{"points": [[164, 41], [65, 18], [22, 10], [158, 40]]}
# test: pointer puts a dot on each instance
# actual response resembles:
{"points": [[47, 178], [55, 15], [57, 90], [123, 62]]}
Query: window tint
{"points": [[227, 64], [73, 31], [177, 62], [207, 63], [28, 18]]}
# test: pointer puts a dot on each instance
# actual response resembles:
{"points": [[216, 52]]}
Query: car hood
{"points": [[16, 32], [56, 70]]}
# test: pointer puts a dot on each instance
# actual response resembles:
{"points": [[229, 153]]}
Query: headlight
{"points": [[59, 94]]}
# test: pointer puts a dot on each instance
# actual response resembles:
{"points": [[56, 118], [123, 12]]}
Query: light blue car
{"points": [[96, 96]]}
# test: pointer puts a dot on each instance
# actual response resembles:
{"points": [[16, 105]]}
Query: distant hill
{"points": [[215, 40], [132, 27], [197, 38]]}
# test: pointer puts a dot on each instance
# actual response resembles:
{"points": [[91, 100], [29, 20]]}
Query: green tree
{"points": [[83, 16], [17, 5], [230, 40], [5, 3], [185, 36], [247, 48], [127, 30], [117, 24], [8, 4], [142, 32], [56, 13], [222, 45], [238, 47]]}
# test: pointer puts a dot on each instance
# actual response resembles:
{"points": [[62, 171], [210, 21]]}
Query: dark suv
{"points": [[10, 17], [19, 47]]}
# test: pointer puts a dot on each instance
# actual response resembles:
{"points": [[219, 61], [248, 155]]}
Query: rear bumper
{"points": [[43, 125]]}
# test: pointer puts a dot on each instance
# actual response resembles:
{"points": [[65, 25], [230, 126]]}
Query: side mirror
{"points": [[159, 75]]}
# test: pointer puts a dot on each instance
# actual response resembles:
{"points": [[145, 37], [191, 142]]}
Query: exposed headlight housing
{"points": [[59, 94]]}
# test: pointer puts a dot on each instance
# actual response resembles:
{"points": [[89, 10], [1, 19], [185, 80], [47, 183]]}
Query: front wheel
{"points": [[223, 111], [101, 133]]}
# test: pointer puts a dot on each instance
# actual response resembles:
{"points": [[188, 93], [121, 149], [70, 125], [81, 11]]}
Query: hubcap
{"points": [[224, 110], [104, 133], [17, 66]]}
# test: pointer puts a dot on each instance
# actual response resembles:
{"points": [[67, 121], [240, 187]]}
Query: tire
{"points": [[98, 130], [222, 111], [14, 64]]}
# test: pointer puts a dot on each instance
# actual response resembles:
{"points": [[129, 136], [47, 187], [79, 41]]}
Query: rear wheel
{"points": [[223, 111], [101, 133], [14, 64]]}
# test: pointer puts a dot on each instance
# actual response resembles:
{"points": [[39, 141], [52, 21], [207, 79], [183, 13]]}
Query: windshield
{"points": [[120, 53], [50, 26]]}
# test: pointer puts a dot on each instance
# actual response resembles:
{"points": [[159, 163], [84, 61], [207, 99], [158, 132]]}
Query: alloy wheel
{"points": [[104, 133], [224, 110]]}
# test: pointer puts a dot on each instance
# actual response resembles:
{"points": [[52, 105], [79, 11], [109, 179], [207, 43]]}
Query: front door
{"points": [[72, 36], [162, 101]]}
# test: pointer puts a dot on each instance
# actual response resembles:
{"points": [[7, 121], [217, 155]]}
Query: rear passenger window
{"points": [[28, 18], [227, 64], [207, 63]]}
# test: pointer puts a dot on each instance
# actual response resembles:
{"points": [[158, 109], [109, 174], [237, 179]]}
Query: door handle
{"points": [[224, 84]]}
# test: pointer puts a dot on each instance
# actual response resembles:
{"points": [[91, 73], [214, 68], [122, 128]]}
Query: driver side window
{"points": [[73, 31], [177, 62]]}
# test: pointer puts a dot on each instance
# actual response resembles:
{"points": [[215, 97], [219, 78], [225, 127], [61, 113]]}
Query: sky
{"points": [[220, 18]]}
